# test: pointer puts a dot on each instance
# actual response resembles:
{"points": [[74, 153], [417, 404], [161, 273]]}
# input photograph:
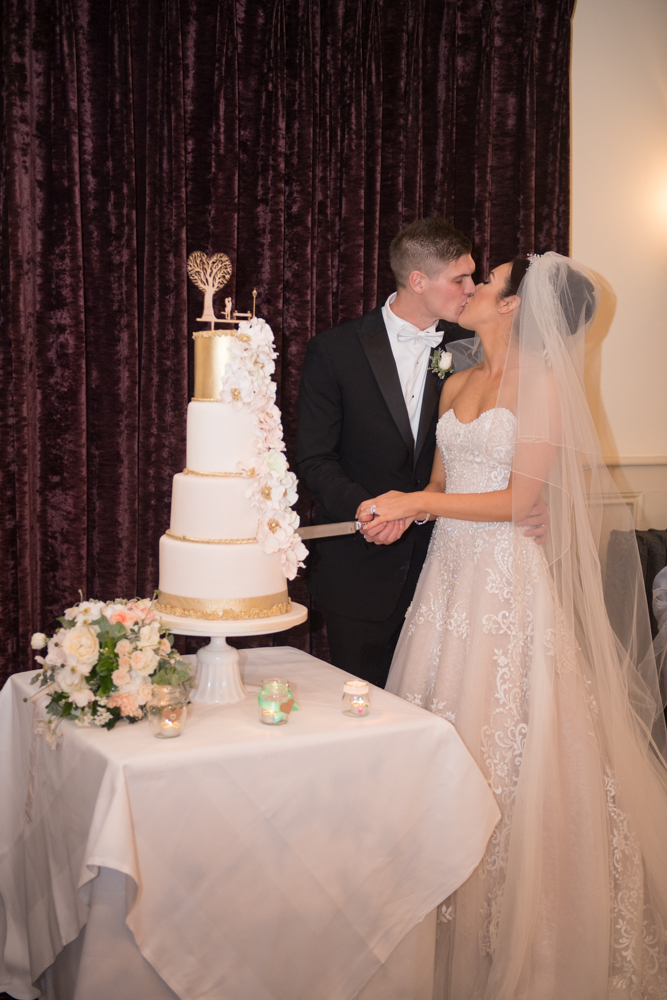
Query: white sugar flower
{"points": [[275, 531], [277, 462], [237, 387], [290, 482], [292, 557], [81, 647], [38, 640]]}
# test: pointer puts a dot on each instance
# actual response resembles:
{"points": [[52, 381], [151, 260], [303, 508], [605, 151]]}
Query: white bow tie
{"points": [[407, 333]]}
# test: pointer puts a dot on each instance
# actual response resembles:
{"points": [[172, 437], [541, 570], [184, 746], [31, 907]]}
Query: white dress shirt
{"points": [[411, 357]]}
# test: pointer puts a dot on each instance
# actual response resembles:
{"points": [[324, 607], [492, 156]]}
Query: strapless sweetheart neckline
{"points": [[466, 423]]}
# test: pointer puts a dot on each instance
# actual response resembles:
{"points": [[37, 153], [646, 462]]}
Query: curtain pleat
{"points": [[297, 136]]}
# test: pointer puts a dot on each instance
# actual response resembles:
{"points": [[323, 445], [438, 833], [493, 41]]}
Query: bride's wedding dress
{"points": [[563, 905]]}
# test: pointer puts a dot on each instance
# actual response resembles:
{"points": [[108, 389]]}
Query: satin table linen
{"points": [[269, 863]]}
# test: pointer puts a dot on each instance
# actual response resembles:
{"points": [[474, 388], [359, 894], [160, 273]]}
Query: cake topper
{"points": [[210, 274]]}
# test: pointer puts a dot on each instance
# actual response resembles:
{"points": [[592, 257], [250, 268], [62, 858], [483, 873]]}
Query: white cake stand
{"points": [[218, 675]]}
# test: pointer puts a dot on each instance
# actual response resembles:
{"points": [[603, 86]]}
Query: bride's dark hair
{"points": [[517, 273]]}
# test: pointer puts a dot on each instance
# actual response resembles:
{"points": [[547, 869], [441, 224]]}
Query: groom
{"points": [[368, 407]]}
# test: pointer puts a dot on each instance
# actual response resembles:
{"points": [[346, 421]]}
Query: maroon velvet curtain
{"points": [[297, 136]]}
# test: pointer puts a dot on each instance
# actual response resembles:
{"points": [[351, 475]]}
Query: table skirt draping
{"points": [[264, 864]]}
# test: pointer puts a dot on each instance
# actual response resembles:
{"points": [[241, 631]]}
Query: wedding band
{"points": [[373, 508]]}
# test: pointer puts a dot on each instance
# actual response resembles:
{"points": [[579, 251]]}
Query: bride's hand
{"points": [[392, 506], [537, 522]]}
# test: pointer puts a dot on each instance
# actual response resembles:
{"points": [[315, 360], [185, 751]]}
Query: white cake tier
{"points": [[220, 581], [218, 437], [211, 507]]}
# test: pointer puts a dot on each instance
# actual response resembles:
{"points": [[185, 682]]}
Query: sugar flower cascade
{"points": [[272, 491]]}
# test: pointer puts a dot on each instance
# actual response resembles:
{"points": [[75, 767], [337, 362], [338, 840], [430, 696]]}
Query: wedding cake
{"points": [[232, 541]]}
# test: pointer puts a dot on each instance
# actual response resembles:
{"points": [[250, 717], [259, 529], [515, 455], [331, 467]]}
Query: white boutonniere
{"points": [[441, 363]]}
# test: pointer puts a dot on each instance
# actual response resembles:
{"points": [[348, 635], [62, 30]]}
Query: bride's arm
{"points": [[511, 504], [530, 469]]}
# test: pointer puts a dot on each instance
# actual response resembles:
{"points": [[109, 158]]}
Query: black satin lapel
{"points": [[375, 342], [432, 389]]}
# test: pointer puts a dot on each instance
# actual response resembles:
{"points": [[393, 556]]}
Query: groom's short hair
{"points": [[427, 245]]}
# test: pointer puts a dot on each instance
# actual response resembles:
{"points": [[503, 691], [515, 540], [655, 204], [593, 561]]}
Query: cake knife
{"points": [[328, 530]]}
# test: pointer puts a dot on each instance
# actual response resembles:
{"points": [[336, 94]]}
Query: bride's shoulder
{"points": [[453, 386]]}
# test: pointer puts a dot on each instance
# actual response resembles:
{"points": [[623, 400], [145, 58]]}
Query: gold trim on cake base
{"points": [[232, 609], [210, 541]]}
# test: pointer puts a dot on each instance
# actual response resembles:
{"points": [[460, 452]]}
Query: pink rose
{"points": [[124, 663], [123, 647], [120, 677], [127, 703], [138, 659]]}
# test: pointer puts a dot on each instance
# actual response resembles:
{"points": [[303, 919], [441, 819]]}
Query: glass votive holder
{"points": [[167, 711], [356, 698], [275, 701]]}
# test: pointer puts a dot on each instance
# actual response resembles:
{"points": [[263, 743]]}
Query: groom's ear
{"points": [[417, 282], [509, 305]]}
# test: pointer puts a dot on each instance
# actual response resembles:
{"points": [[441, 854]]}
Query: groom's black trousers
{"points": [[365, 648]]}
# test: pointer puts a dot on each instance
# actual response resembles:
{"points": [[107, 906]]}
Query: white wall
{"points": [[619, 229]]}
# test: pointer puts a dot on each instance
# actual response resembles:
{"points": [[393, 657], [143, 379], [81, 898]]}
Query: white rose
{"points": [[81, 647], [149, 635], [38, 640], [445, 361], [144, 691]]}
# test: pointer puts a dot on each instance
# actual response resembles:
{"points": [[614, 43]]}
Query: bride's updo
{"points": [[574, 291]]}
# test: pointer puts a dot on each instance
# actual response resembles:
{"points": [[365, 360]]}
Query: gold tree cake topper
{"points": [[210, 274]]}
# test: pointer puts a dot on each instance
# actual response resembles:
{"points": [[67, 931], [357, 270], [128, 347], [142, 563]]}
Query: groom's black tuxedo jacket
{"points": [[355, 442]]}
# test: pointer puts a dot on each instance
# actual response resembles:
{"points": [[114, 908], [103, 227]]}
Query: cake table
{"points": [[218, 675]]}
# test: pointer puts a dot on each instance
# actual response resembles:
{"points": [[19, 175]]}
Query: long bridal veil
{"points": [[596, 711]]}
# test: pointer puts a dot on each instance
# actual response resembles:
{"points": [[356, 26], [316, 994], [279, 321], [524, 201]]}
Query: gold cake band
{"points": [[224, 475], [232, 609], [211, 541]]}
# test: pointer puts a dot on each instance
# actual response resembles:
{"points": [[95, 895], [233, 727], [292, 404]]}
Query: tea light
{"points": [[356, 698], [275, 701]]}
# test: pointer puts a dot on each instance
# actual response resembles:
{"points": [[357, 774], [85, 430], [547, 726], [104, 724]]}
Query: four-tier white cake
{"points": [[232, 543]]}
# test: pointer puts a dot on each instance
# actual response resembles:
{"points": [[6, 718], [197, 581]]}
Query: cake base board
{"points": [[180, 625]]}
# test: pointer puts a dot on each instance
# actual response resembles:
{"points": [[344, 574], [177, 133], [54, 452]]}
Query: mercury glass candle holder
{"points": [[356, 698], [167, 711]]}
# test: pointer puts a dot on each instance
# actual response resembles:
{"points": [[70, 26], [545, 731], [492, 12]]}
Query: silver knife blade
{"points": [[328, 530]]}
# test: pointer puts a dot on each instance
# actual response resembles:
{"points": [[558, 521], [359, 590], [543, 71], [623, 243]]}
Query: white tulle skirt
{"points": [[570, 900]]}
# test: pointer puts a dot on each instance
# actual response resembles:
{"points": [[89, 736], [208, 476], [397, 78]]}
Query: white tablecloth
{"points": [[269, 863]]}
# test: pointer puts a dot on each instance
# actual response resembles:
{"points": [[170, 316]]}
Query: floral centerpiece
{"points": [[101, 663]]}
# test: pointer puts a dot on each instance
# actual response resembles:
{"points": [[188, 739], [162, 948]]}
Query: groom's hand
{"points": [[381, 534], [537, 522], [384, 533]]}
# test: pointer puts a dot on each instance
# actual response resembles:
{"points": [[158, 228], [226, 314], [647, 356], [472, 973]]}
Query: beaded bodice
{"points": [[477, 455]]}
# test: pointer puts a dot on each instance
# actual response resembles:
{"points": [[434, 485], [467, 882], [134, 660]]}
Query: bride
{"points": [[513, 644]]}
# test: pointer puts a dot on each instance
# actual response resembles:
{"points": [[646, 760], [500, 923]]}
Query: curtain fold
{"points": [[297, 136]]}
